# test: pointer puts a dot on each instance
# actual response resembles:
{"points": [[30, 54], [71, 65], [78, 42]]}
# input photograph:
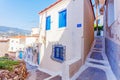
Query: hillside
{"points": [[12, 31]]}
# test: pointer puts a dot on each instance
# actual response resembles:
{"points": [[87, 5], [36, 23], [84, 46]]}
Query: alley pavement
{"points": [[96, 66], [36, 74]]}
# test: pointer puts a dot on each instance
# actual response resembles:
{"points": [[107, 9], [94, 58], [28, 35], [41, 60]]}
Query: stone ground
{"points": [[96, 66], [36, 74]]}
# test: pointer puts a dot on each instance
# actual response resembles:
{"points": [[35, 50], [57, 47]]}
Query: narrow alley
{"points": [[96, 66]]}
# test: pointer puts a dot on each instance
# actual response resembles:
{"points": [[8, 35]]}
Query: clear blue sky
{"points": [[22, 13]]}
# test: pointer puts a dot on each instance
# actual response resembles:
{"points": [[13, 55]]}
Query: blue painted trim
{"points": [[48, 23], [62, 18], [79, 25]]}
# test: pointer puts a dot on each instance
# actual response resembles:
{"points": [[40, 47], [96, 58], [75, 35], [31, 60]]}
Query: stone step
{"points": [[92, 73]]}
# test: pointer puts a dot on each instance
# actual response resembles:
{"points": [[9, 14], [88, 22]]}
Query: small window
{"points": [[58, 53], [62, 18], [48, 23]]}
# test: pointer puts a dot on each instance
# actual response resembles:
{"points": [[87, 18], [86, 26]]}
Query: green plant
{"points": [[7, 64], [99, 28]]}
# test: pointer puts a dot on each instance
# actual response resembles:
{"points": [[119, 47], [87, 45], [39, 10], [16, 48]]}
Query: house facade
{"points": [[35, 31], [30, 40], [16, 44], [66, 36], [4, 45], [112, 34]]}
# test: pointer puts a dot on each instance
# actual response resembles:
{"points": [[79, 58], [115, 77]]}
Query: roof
{"points": [[50, 6], [17, 37], [33, 36], [4, 40]]}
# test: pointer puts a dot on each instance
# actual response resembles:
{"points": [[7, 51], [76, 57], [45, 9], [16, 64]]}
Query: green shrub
{"points": [[99, 28], [7, 64]]}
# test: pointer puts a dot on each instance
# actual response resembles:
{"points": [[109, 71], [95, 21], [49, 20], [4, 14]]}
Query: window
{"points": [[58, 53], [62, 18], [48, 23]]}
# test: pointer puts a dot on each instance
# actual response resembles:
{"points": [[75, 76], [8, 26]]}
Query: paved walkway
{"points": [[36, 74], [96, 66]]}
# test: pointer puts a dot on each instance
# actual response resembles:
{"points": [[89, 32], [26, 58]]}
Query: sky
{"points": [[22, 13]]}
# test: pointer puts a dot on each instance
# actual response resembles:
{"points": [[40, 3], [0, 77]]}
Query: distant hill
{"points": [[13, 31]]}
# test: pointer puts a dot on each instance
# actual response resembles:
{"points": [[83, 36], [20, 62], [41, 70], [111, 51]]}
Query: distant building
{"points": [[30, 40], [100, 20], [4, 45], [66, 36], [16, 43], [19, 43], [35, 31]]}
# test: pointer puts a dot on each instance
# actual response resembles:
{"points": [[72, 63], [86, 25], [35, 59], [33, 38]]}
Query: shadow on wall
{"points": [[113, 46], [113, 54]]}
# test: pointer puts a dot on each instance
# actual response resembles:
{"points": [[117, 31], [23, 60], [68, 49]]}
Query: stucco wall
{"points": [[88, 27], [74, 68], [70, 36], [113, 54], [117, 8], [111, 12], [113, 36], [13, 44], [4, 48]]}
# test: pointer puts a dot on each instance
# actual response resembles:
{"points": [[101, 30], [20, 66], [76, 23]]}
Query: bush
{"points": [[7, 64], [99, 28]]}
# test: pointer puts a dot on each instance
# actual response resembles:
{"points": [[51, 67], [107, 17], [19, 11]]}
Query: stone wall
{"points": [[18, 73], [113, 54]]}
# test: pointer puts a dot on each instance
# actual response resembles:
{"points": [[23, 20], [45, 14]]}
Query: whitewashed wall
{"points": [[14, 43], [30, 40], [111, 13], [70, 36]]}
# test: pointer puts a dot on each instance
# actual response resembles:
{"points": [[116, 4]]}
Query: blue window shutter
{"points": [[62, 18], [48, 23], [61, 54]]}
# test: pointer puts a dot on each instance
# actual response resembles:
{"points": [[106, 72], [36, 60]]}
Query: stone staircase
{"points": [[96, 66]]}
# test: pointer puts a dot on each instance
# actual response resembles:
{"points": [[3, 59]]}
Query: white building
{"points": [[66, 35], [30, 40], [16, 43], [4, 45], [35, 31]]}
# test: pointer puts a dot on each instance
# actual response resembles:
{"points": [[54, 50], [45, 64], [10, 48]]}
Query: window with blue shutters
{"points": [[48, 23], [62, 18], [58, 53]]}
